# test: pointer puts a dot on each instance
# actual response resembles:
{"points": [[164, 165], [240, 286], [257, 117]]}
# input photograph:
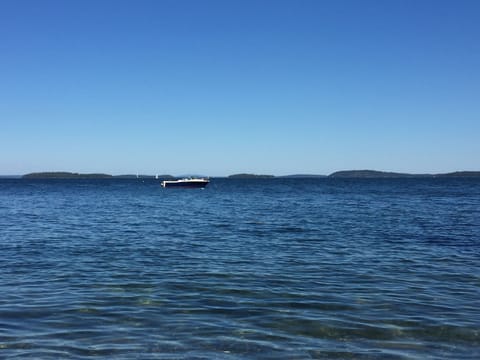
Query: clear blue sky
{"points": [[220, 87]]}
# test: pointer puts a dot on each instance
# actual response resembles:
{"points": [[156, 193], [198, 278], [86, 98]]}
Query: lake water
{"points": [[244, 269]]}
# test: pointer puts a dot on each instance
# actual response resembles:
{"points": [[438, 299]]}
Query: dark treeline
{"points": [[358, 174]]}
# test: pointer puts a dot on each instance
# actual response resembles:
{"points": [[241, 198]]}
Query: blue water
{"points": [[244, 269]]}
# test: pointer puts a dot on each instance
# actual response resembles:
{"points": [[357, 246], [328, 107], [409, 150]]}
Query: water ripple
{"points": [[274, 269]]}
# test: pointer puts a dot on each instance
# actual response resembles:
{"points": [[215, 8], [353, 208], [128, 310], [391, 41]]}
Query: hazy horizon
{"points": [[237, 173]]}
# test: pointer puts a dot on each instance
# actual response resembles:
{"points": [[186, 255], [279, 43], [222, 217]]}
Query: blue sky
{"points": [[220, 87]]}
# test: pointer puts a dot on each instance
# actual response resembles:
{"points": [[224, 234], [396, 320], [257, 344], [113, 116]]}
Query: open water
{"points": [[244, 269]]}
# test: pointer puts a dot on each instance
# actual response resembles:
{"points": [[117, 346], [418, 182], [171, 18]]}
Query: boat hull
{"points": [[185, 183]]}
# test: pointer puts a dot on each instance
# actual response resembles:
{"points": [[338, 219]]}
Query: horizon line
{"points": [[249, 173]]}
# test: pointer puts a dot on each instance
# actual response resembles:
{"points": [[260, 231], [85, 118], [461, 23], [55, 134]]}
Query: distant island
{"points": [[64, 175], [362, 174], [344, 174], [373, 174], [72, 175], [250, 176], [462, 174]]}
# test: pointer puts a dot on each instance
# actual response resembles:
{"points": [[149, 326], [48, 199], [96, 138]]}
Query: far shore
{"points": [[357, 174]]}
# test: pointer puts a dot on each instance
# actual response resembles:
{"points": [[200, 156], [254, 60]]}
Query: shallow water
{"points": [[244, 269]]}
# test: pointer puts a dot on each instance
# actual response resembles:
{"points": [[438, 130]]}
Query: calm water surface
{"points": [[256, 269]]}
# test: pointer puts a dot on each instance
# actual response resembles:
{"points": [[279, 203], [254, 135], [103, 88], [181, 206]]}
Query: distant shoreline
{"points": [[73, 175], [344, 174], [373, 174]]}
